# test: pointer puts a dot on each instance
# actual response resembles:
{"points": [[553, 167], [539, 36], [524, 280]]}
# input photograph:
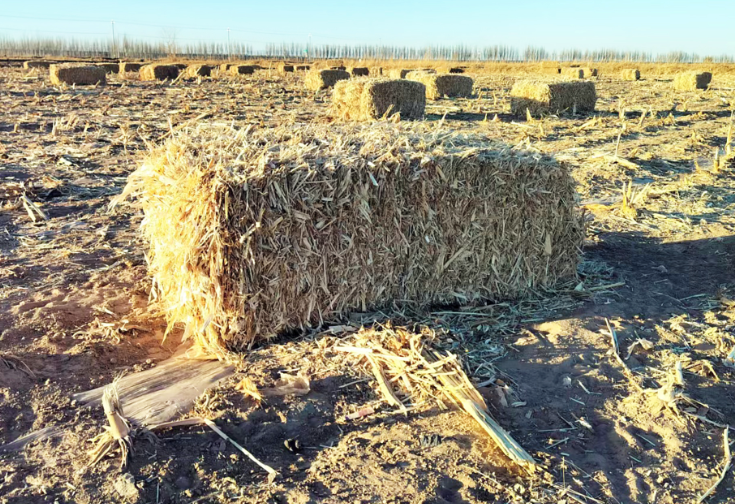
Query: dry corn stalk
{"points": [[118, 432]]}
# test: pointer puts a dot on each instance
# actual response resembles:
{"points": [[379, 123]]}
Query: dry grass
{"points": [[280, 228], [323, 79], [367, 99], [77, 74], [157, 71], [538, 97]]}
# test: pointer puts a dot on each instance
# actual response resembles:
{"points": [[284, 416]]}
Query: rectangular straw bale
{"points": [[254, 232], [284, 68], [367, 99], [691, 81], [323, 79], [552, 97], [398, 73], [456, 70], [303, 68], [630, 74], [242, 69], [339, 67], [156, 71], [109, 67], [450, 85], [359, 71], [194, 71], [225, 67], [180, 66], [573, 72], [36, 64], [588, 72], [77, 73], [126, 66]]}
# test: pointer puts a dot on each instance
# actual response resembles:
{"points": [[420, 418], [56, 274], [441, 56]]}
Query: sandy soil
{"points": [[75, 313]]}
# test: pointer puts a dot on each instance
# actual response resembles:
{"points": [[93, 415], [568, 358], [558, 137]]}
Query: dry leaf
{"points": [[288, 385]]}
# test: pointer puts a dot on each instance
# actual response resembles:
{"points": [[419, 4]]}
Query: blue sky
{"points": [[704, 27]]}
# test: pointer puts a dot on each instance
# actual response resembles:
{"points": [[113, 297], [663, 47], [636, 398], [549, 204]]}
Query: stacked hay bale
{"points": [[450, 85], [691, 81], [323, 79], [126, 66], [285, 68], [110, 68], [573, 72], [76, 73], [367, 99], [343, 218], [27, 65], [398, 73], [630, 74], [194, 71], [359, 71], [552, 97], [156, 71], [242, 69]]}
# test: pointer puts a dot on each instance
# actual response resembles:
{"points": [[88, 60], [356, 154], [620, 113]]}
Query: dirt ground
{"points": [[658, 265]]}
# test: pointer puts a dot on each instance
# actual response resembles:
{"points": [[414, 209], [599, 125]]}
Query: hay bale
{"points": [[36, 64], [339, 67], [552, 97], [437, 86], [573, 72], [180, 66], [225, 67], [398, 73], [254, 232], [284, 68], [129, 67], [630, 74], [588, 72], [242, 69], [366, 99], [691, 81], [456, 70], [194, 71], [76, 73], [156, 71], [323, 79], [303, 68], [110, 68], [359, 71]]}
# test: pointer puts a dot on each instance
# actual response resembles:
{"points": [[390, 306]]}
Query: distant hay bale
{"points": [[552, 97], [110, 68], [323, 79], [367, 99], [341, 218], [126, 66], [450, 85], [242, 69], [225, 67], [339, 67], [573, 72], [156, 71], [36, 64], [359, 71], [630, 74], [398, 73], [76, 73], [691, 81], [303, 68], [456, 70], [180, 66], [194, 71], [376, 71], [284, 68], [588, 72]]}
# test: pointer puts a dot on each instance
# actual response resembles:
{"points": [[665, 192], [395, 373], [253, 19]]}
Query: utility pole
{"points": [[114, 47], [229, 47]]}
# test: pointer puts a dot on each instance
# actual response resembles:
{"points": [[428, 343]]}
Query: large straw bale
{"points": [[126, 66], [366, 99], [552, 97], [398, 73], [194, 71], [630, 74], [36, 64], [323, 79], [359, 71], [262, 230], [110, 68], [691, 81], [242, 69], [285, 68], [156, 71], [437, 86], [76, 73]]}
